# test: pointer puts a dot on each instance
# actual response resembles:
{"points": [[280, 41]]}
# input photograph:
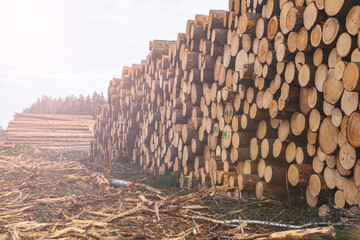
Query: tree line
{"points": [[71, 105]]}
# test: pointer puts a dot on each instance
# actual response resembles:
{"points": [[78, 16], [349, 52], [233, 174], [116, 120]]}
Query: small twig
{"points": [[355, 213], [196, 226], [275, 217], [156, 209], [190, 196], [183, 234]]}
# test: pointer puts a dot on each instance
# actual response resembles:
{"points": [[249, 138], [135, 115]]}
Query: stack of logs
{"points": [[49, 131], [263, 98]]}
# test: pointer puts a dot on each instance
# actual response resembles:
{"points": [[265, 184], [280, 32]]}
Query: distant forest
{"points": [[71, 105]]}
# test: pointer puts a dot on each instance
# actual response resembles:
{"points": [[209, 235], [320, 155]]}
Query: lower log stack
{"points": [[50, 131], [262, 98]]}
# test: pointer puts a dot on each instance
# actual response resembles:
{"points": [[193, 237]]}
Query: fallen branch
{"points": [[53, 200], [66, 231], [292, 234], [87, 223], [273, 224], [27, 225], [181, 235], [149, 188], [98, 213], [10, 212], [131, 211], [190, 196], [146, 201]]}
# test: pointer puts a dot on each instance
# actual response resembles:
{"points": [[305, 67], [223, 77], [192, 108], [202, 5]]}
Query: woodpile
{"points": [[49, 131], [262, 98]]}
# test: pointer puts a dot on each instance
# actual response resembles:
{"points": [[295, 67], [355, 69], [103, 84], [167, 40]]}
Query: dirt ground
{"points": [[47, 195]]}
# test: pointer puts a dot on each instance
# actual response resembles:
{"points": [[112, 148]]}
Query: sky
{"points": [[63, 47]]}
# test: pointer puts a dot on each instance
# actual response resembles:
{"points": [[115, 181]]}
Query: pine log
{"points": [[272, 26], [328, 136], [338, 8], [332, 88], [312, 15], [330, 30], [247, 182], [329, 177], [310, 199], [317, 184], [298, 174], [283, 14], [351, 77], [353, 20], [347, 156], [353, 129], [345, 44]]}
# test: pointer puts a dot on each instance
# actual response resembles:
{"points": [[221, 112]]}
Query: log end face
{"points": [[332, 7], [240, 182], [314, 185], [259, 190], [330, 30], [290, 152], [316, 35], [329, 176], [302, 39], [353, 129], [304, 75], [272, 27], [310, 199], [347, 156], [339, 199], [261, 168], [291, 18], [353, 20], [254, 149], [277, 148], [310, 15], [293, 175], [357, 174], [264, 148], [343, 45], [351, 76], [268, 174], [328, 136], [283, 130]]}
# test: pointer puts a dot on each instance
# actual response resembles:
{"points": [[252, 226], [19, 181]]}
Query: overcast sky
{"points": [[64, 47]]}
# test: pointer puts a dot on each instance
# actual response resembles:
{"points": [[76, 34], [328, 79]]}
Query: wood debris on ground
{"points": [[41, 198]]}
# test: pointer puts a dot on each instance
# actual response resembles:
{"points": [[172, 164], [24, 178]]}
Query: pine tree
{"points": [[89, 105]]}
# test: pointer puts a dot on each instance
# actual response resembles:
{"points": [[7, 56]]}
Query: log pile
{"points": [[48, 131], [262, 98]]}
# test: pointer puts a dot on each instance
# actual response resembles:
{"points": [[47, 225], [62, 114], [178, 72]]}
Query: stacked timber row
{"points": [[263, 98], [49, 131]]}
